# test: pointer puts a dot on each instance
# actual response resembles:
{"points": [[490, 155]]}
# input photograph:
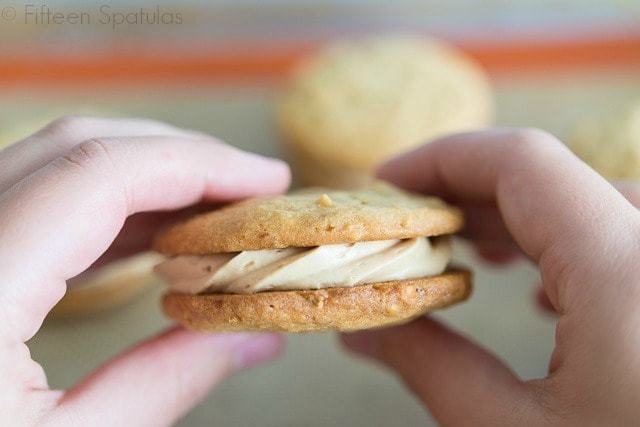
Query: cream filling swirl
{"points": [[341, 265]]}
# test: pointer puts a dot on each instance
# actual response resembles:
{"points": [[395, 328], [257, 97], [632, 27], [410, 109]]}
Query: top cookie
{"points": [[312, 217]]}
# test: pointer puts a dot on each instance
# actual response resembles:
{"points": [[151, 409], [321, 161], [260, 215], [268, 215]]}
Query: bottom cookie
{"points": [[343, 309]]}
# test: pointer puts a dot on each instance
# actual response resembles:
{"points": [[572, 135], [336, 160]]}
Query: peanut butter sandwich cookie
{"points": [[313, 260]]}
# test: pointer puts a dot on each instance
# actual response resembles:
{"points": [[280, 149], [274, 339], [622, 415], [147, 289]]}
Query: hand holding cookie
{"points": [[65, 193], [523, 188]]}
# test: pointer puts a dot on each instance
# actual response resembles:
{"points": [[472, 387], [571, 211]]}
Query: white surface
{"points": [[316, 384]]}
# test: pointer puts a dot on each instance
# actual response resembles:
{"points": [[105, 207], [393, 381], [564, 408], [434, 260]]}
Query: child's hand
{"points": [[523, 188], [64, 195]]}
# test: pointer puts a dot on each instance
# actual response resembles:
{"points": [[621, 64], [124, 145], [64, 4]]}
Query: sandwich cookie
{"points": [[313, 260]]}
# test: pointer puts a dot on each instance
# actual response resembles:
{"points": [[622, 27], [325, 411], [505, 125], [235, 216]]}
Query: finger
{"points": [[62, 217], [550, 201], [531, 176], [34, 152], [484, 224], [138, 231], [486, 230], [459, 382], [493, 242], [158, 381]]}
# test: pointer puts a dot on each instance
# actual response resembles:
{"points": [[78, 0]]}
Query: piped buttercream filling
{"points": [[326, 266]]}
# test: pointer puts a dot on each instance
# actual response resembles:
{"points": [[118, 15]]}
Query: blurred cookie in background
{"points": [[610, 142], [111, 285], [357, 103]]}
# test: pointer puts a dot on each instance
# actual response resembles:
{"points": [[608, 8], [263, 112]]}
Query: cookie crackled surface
{"points": [[302, 219]]}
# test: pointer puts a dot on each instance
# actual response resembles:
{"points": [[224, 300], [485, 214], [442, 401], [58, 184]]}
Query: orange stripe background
{"points": [[271, 62]]}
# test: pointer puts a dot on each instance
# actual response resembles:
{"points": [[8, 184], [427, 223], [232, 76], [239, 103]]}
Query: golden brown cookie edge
{"points": [[344, 309], [221, 231]]}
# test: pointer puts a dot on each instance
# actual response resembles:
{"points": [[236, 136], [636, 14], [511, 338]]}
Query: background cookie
{"points": [[355, 104], [610, 142], [110, 286], [312, 218]]}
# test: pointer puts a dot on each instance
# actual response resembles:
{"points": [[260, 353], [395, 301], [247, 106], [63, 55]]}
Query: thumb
{"points": [[460, 383]]}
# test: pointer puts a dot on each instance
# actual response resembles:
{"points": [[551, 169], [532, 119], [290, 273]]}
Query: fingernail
{"points": [[496, 256], [543, 301], [391, 171], [268, 170], [256, 349], [384, 171], [364, 343], [267, 161]]}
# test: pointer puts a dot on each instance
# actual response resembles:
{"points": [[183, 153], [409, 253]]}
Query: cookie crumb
{"points": [[394, 309], [318, 298], [325, 201]]}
